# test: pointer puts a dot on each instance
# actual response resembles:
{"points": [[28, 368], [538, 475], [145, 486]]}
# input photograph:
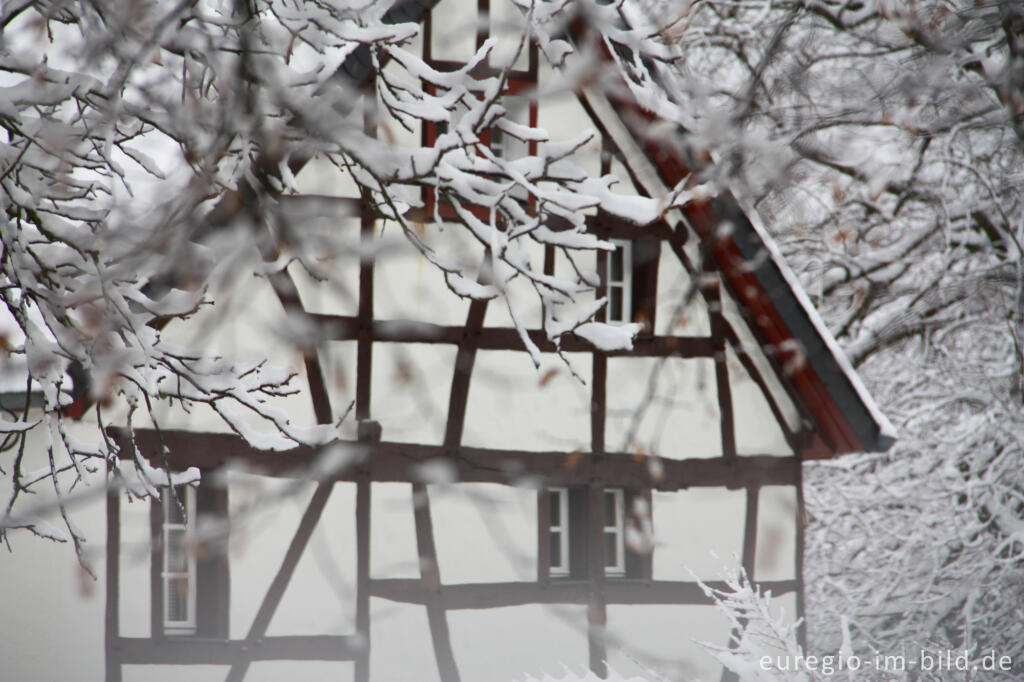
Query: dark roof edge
{"points": [[823, 353]]}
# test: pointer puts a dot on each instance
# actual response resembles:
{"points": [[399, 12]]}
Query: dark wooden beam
{"points": [[599, 371], [192, 651], [597, 610], [801, 521], [473, 596], [369, 433], [364, 321], [598, 402], [710, 290], [465, 358], [392, 462], [543, 535], [494, 466], [346, 328], [275, 592], [112, 607], [156, 564], [750, 531], [430, 584], [287, 293]]}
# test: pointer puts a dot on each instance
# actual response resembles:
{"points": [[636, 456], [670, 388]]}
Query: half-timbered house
{"points": [[486, 518]]}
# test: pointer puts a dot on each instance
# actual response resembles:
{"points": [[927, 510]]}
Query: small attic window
{"points": [[631, 278], [620, 282]]}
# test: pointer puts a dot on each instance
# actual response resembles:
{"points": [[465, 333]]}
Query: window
{"points": [[179, 560], [614, 536], [631, 281], [190, 581], [559, 531], [620, 282], [565, 534]]}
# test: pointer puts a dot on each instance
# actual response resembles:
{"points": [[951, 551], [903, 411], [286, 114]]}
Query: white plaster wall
{"points": [[667, 407], [698, 530], [757, 430], [514, 406], [401, 649], [153, 673], [757, 354], [455, 28], [134, 566], [664, 639], [52, 624], [505, 644], [246, 324], [681, 310], [392, 532], [776, 534], [564, 118], [484, 532], [410, 388]]}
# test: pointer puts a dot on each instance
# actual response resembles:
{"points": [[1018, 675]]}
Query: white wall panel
{"points": [[665, 639], [505, 644], [776, 533], [667, 407], [757, 431], [485, 532], [320, 599], [392, 532], [410, 390], [681, 311], [699, 530], [401, 649], [514, 406]]}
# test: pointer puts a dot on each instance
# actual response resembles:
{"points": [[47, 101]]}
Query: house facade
{"points": [[487, 515]]}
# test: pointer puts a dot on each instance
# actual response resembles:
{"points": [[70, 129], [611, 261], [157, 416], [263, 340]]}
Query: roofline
{"points": [[846, 415], [821, 350]]}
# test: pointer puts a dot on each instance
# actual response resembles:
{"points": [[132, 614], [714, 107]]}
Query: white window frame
{"points": [[562, 569], [617, 569], [625, 284], [187, 497], [617, 530]]}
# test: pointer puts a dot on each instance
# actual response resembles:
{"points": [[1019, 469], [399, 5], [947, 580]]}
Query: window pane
{"points": [[610, 511], [173, 505], [611, 549], [177, 600], [615, 265], [556, 508], [615, 303], [177, 557], [556, 549]]}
